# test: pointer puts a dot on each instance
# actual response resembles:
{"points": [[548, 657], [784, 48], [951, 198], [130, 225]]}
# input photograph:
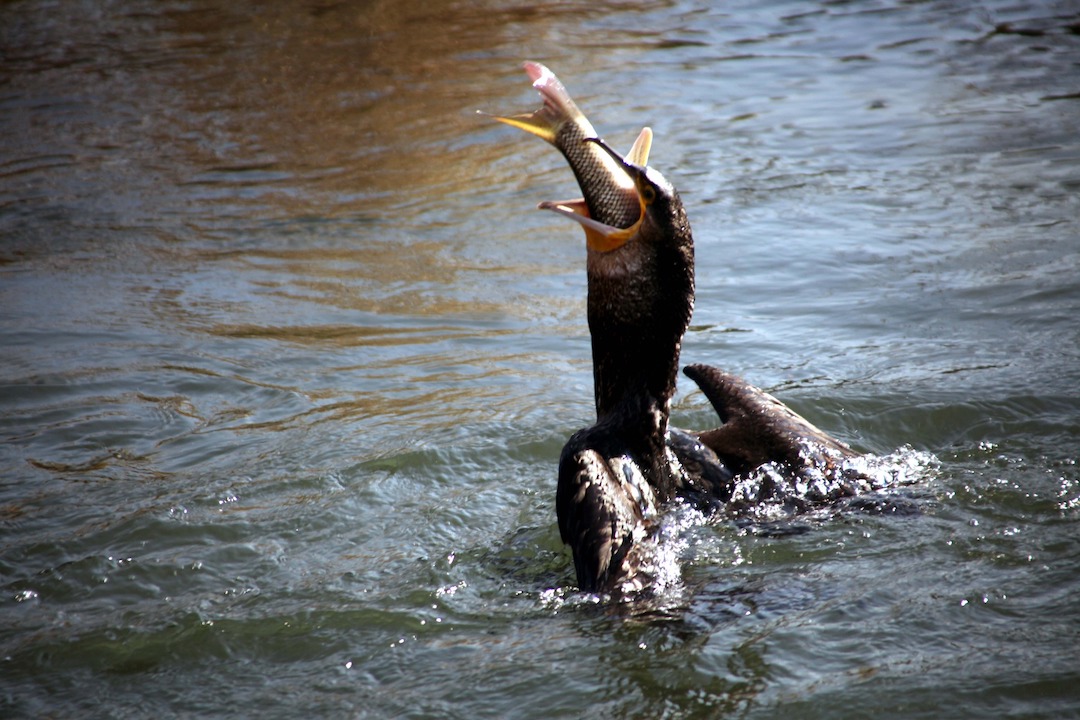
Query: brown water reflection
{"points": [[241, 103], [351, 124]]}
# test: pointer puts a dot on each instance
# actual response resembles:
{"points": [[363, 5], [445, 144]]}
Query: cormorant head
{"points": [[661, 218]]}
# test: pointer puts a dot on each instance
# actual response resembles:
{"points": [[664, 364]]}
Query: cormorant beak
{"points": [[600, 236], [637, 158]]}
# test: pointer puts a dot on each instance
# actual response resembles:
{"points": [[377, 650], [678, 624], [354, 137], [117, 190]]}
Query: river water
{"points": [[287, 356]]}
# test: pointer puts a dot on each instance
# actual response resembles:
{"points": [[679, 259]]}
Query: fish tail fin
{"points": [[558, 109]]}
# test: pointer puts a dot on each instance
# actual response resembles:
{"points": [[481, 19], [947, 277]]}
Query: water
{"points": [[288, 358]]}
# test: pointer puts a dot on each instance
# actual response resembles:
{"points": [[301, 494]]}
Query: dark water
{"points": [[287, 358]]}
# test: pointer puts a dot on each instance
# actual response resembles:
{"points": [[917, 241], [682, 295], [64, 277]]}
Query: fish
{"points": [[610, 209]]}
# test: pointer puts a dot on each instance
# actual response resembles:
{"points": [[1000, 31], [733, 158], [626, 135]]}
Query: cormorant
{"points": [[615, 475]]}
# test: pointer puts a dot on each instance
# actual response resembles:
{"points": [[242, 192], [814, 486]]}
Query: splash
{"points": [[775, 491], [764, 499]]}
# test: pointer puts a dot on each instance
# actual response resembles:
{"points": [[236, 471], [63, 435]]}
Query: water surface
{"points": [[287, 357]]}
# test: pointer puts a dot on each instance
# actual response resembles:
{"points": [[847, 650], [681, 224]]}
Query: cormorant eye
{"points": [[648, 194]]}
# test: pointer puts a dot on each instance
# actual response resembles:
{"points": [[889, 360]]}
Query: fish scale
{"points": [[607, 200]]}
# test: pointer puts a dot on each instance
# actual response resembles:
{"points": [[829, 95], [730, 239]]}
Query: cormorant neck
{"points": [[634, 378], [638, 313]]}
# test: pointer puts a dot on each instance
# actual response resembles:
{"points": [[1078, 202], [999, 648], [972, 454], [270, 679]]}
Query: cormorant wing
{"points": [[757, 428], [605, 509]]}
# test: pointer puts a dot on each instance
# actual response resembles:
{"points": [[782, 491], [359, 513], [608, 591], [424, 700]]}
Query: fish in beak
{"points": [[611, 209]]}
